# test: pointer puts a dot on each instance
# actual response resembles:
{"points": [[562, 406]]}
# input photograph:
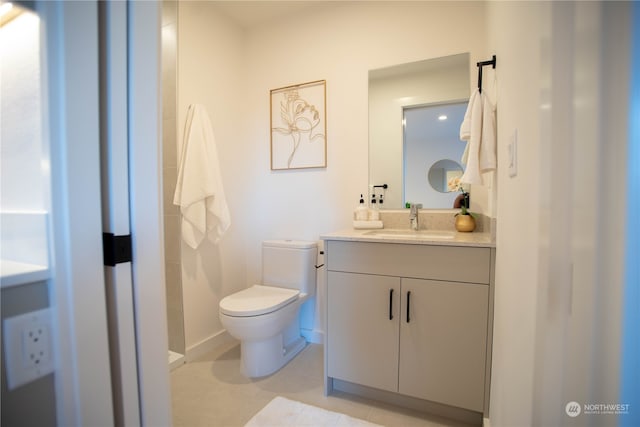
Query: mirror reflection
{"points": [[431, 151], [398, 96], [441, 173]]}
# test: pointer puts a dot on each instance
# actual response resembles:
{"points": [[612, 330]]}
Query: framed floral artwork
{"points": [[299, 126]]}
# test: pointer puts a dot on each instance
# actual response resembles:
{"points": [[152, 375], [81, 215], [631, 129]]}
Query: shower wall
{"points": [[175, 317]]}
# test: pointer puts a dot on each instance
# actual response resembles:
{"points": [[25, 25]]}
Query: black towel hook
{"points": [[481, 64]]}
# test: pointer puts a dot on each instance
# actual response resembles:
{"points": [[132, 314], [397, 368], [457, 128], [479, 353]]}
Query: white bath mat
{"points": [[281, 412]]}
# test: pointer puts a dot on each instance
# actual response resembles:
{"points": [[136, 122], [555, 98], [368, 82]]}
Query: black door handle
{"points": [[391, 304], [408, 306]]}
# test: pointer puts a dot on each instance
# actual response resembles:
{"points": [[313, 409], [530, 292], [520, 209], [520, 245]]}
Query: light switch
{"points": [[512, 154]]}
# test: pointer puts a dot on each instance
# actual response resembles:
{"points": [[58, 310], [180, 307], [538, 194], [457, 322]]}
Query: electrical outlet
{"points": [[27, 343], [35, 345]]}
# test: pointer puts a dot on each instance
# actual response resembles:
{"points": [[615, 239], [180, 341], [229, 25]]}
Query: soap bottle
{"points": [[374, 213], [361, 212]]}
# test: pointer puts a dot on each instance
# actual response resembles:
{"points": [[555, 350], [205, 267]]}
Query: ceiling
{"points": [[249, 14]]}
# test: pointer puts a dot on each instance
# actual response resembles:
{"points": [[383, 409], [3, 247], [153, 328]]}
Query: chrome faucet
{"points": [[413, 216]]}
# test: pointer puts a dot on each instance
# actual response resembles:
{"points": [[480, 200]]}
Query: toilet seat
{"points": [[257, 300]]}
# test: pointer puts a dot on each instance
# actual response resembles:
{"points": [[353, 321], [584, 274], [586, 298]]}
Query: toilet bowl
{"points": [[265, 317]]}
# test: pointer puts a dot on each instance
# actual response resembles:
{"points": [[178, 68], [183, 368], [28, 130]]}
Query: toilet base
{"points": [[261, 358]]}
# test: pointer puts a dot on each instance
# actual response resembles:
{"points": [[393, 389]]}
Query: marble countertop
{"points": [[14, 273], [420, 237]]}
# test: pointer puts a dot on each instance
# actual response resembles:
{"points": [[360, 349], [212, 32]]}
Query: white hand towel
{"points": [[472, 152], [478, 128], [199, 190], [465, 127], [488, 143]]}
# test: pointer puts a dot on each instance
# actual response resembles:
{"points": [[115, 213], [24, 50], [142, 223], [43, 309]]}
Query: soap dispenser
{"points": [[374, 213], [361, 212]]}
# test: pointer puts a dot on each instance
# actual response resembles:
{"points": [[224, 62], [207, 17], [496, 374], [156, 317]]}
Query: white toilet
{"points": [[265, 317]]}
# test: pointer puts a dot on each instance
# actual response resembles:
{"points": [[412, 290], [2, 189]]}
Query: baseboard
{"points": [[486, 422], [313, 336], [175, 360], [215, 341], [207, 345], [458, 414]]}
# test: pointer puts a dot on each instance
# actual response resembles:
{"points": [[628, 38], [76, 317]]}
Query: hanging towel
{"points": [[199, 190], [488, 142], [465, 127], [478, 129]]}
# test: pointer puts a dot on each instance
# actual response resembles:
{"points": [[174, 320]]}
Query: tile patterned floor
{"points": [[212, 392]]}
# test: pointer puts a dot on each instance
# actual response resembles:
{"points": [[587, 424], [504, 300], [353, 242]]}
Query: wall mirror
{"points": [[407, 134]]}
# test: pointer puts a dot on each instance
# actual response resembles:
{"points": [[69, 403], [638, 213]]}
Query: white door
{"points": [[82, 375], [84, 382], [130, 105], [115, 210], [145, 198]]}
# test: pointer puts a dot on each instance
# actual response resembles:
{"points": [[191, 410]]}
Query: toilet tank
{"points": [[290, 264]]}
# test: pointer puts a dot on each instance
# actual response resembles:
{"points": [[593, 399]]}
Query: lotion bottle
{"points": [[361, 212]]}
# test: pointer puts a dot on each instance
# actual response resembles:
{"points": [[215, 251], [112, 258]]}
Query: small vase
{"points": [[465, 223]]}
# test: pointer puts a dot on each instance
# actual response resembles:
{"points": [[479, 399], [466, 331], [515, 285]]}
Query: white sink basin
{"points": [[413, 234]]}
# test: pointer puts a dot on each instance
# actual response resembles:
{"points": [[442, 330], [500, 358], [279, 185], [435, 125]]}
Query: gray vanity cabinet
{"points": [[363, 338], [408, 333], [443, 343]]}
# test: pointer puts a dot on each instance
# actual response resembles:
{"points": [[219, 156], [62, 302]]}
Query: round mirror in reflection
{"points": [[441, 172]]}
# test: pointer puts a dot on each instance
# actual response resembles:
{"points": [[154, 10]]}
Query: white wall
{"points": [[24, 163], [211, 72], [231, 72], [23, 176], [561, 230], [517, 264]]}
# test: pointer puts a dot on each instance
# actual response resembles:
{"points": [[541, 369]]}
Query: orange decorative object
{"points": [[465, 223]]}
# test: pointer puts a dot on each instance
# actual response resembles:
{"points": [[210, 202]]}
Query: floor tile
{"points": [[211, 392]]}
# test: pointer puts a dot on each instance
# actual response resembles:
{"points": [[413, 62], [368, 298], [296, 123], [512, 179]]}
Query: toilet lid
{"points": [[257, 300]]}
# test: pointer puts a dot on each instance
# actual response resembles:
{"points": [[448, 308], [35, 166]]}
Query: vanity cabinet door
{"points": [[362, 329], [443, 343]]}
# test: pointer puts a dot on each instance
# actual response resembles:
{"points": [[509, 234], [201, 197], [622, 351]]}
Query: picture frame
{"points": [[298, 126]]}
